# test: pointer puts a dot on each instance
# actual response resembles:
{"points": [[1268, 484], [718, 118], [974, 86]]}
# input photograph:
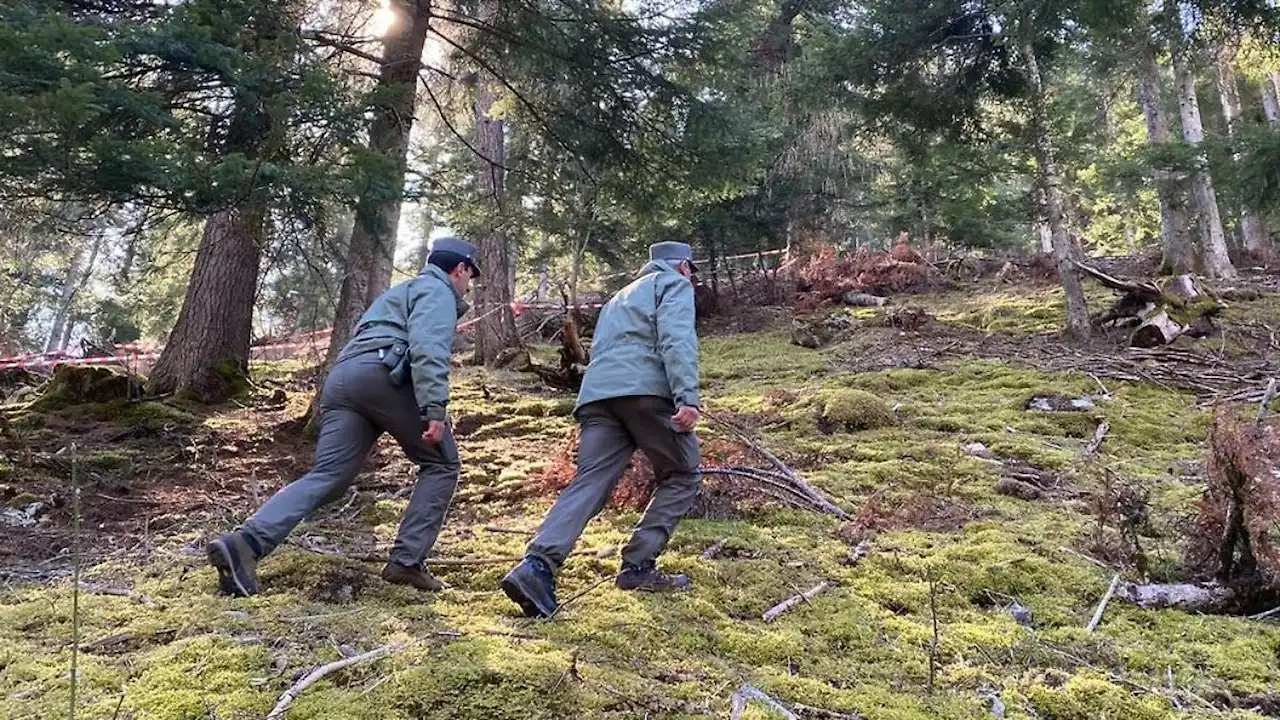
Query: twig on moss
{"points": [[1102, 606], [772, 613], [714, 550], [282, 706], [580, 595], [1098, 436], [749, 692], [1264, 407]]}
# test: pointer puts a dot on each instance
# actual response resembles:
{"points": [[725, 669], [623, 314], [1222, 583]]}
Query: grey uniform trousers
{"points": [[357, 405], [611, 432]]}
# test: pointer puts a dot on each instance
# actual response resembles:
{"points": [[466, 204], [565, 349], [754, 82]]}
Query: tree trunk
{"points": [[372, 245], [1043, 230], [1179, 256], [575, 271], [207, 354], [1069, 274], [371, 249], [1213, 239], [1253, 227], [493, 292], [77, 275], [208, 350], [1271, 98]]}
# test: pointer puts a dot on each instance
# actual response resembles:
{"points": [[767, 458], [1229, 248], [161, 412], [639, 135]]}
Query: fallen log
{"points": [[1188, 597], [1161, 315], [1157, 330], [857, 299]]}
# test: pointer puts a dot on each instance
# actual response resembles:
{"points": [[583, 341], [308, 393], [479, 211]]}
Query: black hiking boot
{"points": [[236, 563], [649, 578], [415, 577], [532, 586]]}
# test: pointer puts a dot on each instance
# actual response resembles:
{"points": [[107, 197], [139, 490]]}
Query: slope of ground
{"points": [[945, 597]]}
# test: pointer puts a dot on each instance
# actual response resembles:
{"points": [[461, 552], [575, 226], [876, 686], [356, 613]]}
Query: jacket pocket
{"points": [[396, 359]]}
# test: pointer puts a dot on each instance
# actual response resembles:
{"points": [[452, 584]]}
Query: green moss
{"points": [[856, 410], [925, 507], [1088, 696]]}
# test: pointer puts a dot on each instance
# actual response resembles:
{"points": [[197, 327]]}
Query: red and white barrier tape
{"points": [[145, 351]]}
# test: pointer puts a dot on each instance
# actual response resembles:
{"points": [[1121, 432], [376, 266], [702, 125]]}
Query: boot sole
{"points": [[220, 558], [514, 590]]}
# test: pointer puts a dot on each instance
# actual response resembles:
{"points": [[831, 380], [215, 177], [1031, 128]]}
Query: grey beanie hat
{"points": [[672, 252]]}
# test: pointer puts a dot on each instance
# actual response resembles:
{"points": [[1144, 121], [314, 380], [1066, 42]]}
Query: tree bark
{"points": [[207, 354], [1213, 240], [1068, 273], [1271, 98], [494, 290], [372, 245], [1253, 227], [1179, 256], [1043, 230], [371, 249], [208, 350]]}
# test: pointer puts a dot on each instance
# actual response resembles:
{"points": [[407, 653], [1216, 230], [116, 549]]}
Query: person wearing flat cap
{"points": [[392, 377], [640, 391]]}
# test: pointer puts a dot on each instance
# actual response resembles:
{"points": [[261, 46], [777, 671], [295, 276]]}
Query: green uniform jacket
{"points": [[423, 314], [646, 342]]}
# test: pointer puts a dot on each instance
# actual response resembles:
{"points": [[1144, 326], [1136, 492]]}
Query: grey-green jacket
{"points": [[646, 341], [422, 313]]}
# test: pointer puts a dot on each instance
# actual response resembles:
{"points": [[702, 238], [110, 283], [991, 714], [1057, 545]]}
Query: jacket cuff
{"points": [[432, 412], [689, 400]]}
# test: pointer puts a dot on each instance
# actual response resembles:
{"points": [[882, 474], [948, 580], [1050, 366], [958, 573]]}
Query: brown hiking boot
{"points": [[236, 563], [650, 579], [419, 578]]}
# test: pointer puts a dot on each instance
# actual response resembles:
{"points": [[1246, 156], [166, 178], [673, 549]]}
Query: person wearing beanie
{"points": [[640, 391], [392, 377]]}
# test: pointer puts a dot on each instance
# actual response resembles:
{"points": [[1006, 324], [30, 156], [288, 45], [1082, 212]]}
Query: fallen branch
{"points": [[714, 550], [315, 675], [810, 711], [747, 693], [96, 589], [1266, 614], [1098, 436], [1145, 290], [454, 562], [1264, 407], [1102, 606], [509, 531], [751, 443], [772, 613], [1088, 558], [582, 594], [1179, 596]]}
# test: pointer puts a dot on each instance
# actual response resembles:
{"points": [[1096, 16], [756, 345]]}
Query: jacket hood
{"points": [[658, 266]]}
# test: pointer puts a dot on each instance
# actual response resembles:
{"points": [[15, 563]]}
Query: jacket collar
{"points": [[442, 276], [654, 266]]}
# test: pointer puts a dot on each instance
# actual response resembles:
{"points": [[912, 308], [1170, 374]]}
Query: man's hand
{"points": [[434, 432], [686, 419]]}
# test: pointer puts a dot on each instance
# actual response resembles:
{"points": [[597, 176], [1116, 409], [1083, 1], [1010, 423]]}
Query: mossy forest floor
{"points": [[939, 547]]}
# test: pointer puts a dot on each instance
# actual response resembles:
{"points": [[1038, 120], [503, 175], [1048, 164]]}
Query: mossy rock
{"points": [[77, 384], [854, 410]]}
